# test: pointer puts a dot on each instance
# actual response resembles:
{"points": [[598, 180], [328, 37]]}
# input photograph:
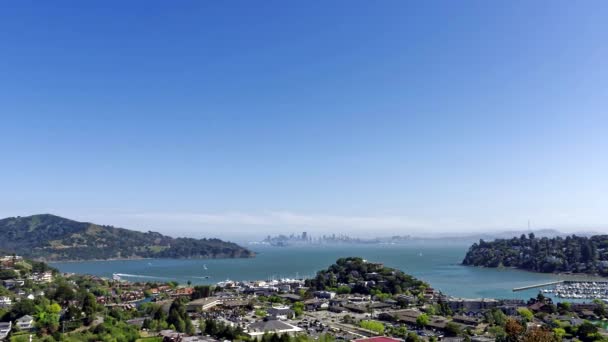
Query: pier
{"points": [[538, 285]]}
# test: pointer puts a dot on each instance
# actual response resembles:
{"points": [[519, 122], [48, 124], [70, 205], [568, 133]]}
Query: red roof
{"points": [[378, 339]]}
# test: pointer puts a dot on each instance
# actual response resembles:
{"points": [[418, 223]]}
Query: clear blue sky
{"points": [[246, 117]]}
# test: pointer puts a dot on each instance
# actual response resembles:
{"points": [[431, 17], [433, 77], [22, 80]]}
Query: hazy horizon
{"points": [[241, 234], [216, 119]]}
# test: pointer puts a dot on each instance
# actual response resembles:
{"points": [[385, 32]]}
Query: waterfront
{"points": [[436, 263]]}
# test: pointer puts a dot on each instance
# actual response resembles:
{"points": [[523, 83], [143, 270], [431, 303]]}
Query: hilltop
{"points": [[357, 275], [572, 254], [53, 238]]}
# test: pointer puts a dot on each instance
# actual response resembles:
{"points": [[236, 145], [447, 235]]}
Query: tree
{"points": [[559, 333], [89, 307], [48, 318], [526, 314], [374, 326], [64, 293], [513, 329], [422, 320], [498, 332], [202, 291], [178, 317], [412, 337], [8, 274], [452, 329], [22, 308], [539, 335], [585, 331], [298, 308]]}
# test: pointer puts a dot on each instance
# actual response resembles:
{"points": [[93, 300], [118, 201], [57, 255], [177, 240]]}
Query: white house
{"points": [[5, 329], [5, 301], [25, 323]]}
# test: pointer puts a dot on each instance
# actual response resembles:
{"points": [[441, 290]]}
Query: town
{"points": [[39, 304]]}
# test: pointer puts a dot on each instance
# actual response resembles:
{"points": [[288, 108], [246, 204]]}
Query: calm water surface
{"points": [[437, 264]]}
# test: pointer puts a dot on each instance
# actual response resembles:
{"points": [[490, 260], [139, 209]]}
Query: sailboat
{"points": [[205, 266]]}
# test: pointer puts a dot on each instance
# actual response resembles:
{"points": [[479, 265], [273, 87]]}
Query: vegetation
{"points": [[574, 254], [364, 277], [49, 237], [375, 326]]}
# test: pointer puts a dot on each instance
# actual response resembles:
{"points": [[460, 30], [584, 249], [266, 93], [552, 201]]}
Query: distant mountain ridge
{"points": [[53, 238]]}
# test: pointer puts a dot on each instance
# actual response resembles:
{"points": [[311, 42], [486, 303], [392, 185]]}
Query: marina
{"points": [[580, 290]]}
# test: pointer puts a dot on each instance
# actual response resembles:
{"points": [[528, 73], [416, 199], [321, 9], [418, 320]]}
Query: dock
{"points": [[538, 285]]}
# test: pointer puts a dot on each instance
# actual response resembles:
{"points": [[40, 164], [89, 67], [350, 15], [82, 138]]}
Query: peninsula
{"points": [[53, 238], [572, 254]]}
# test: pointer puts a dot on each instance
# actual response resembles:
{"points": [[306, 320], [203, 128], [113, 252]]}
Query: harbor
{"points": [[580, 290]]}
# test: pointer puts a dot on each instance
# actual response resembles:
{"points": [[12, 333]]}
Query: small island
{"points": [[571, 254], [52, 238]]}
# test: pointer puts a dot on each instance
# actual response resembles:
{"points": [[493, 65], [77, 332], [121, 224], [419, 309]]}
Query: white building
{"points": [[5, 302], [25, 323]]}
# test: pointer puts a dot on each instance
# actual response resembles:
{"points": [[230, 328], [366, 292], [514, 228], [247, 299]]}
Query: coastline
{"points": [[142, 258], [572, 276]]}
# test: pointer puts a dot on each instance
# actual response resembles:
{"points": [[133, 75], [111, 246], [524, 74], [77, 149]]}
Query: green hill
{"points": [[357, 275], [572, 254], [54, 238]]}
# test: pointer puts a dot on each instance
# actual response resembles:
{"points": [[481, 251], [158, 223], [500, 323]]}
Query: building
{"points": [[202, 304], [282, 313], [25, 323], [183, 291], [258, 329], [291, 297], [11, 283], [5, 329], [471, 305], [5, 302], [42, 277], [324, 294], [377, 339]]}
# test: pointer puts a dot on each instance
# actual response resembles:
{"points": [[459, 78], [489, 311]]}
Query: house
{"points": [[284, 288], [42, 277], [183, 291], [258, 329], [5, 329], [5, 302], [312, 304], [25, 323], [202, 304], [471, 305], [12, 283], [282, 313], [291, 297], [324, 294], [466, 320]]}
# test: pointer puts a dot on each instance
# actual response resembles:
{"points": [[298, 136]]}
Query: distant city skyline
{"points": [[248, 119]]}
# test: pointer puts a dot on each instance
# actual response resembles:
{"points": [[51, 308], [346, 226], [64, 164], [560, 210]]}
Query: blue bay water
{"points": [[436, 263]]}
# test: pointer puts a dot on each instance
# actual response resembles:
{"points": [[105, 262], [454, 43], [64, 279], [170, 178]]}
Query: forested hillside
{"points": [[359, 276], [575, 254], [49, 237]]}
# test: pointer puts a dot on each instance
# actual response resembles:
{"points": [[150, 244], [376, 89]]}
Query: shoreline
{"points": [[138, 258], [560, 274]]}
